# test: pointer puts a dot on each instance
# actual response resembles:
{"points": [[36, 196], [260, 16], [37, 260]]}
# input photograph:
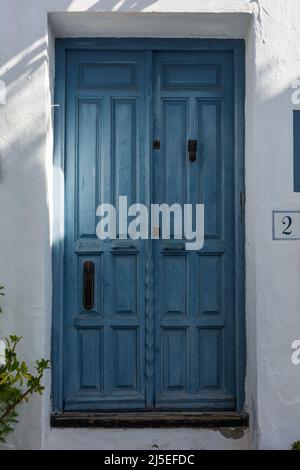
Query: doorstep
{"points": [[150, 420]]}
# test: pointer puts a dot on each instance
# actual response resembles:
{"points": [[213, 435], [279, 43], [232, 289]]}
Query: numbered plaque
{"points": [[286, 225]]}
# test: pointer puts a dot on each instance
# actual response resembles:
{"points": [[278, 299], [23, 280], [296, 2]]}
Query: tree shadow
{"points": [[121, 5]]}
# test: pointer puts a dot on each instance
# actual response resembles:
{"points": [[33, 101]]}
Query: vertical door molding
{"points": [[149, 286]]}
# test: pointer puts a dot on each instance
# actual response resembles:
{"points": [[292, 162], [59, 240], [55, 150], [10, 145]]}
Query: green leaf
{"points": [[16, 383]]}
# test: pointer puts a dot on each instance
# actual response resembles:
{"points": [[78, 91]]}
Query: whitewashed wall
{"points": [[272, 32]]}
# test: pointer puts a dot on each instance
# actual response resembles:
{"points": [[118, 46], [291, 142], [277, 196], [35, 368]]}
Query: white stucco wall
{"points": [[273, 268]]}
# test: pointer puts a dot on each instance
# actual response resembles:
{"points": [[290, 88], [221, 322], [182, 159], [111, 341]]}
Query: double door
{"points": [[149, 324]]}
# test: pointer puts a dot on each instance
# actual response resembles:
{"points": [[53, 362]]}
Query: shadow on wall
{"points": [[17, 71], [118, 5], [20, 65]]}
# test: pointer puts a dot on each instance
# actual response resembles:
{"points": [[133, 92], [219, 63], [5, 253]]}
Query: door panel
{"points": [[115, 353], [124, 142], [104, 346], [173, 132], [194, 324]]}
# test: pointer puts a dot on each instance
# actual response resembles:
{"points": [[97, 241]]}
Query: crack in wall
{"points": [[259, 9]]}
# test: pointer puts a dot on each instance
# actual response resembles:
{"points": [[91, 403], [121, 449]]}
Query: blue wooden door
{"points": [[148, 324], [104, 365], [194, 290]]}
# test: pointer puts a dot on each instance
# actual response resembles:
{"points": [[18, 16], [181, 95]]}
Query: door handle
{"points": [[88, 285], [192, 150], [174, 247], [123, 246]]}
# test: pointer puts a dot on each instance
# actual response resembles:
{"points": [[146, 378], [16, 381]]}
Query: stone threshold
{"points": [[150, 419]]}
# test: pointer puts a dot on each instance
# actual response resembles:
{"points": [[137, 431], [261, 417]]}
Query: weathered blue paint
{"points": [[194, 291], [104, 349], [167, 324]]}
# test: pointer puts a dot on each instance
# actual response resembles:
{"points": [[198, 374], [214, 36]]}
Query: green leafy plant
{"points": [[296, 445], [16, 383]]}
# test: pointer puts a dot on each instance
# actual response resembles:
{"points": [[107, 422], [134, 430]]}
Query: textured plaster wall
{"points": [[184, 439], [273, 268]]}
